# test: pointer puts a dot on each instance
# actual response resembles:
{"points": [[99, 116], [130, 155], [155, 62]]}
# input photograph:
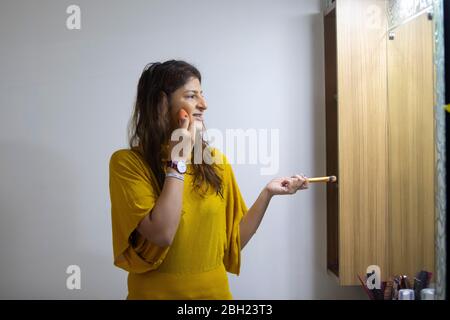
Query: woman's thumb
{"points": [[183, 123]]}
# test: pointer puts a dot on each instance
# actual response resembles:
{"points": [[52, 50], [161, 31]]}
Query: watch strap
{"points": [[175, 175]]}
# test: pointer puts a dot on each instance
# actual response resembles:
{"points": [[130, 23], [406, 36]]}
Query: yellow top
{"points": [[207, 242]]}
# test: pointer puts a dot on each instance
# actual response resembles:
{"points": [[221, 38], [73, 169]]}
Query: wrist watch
{"points": [[180, 165]]}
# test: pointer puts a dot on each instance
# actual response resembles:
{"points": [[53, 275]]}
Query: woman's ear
{"points": [[168, 110], [165, 99], [164, 105]]}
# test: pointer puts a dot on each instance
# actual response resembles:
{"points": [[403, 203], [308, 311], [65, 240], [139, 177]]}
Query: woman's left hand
{"points": [[286, 185]]}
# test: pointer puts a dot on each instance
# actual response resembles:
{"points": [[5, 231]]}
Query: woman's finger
{"points": [[305, 184], [300, 179], [303, 181], [287, 185], [192, 130], [292, 185], [184, 123]]}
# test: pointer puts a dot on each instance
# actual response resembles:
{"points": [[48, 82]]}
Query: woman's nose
{"points": [[202, 105]]}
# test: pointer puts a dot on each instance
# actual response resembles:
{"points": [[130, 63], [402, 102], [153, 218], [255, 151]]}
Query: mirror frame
{"points": [[440, 146]]}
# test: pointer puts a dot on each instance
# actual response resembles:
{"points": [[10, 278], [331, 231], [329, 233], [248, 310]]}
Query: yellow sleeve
{"points": [[133, 195], [235, 211]]}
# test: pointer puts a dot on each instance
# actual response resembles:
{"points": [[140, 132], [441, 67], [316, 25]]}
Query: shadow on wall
{"points": [[41, 228]]}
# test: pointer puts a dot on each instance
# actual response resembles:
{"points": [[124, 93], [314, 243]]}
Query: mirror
{"points": [[416, 119]]}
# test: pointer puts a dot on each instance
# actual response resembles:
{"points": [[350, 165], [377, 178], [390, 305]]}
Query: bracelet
{"points": [[175, 175]]}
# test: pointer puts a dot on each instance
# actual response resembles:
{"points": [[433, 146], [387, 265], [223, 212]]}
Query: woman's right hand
{"points": [[286, 185], [184, 137]]}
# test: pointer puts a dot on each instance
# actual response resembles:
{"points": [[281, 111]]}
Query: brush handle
{"points": [[323, 179]]}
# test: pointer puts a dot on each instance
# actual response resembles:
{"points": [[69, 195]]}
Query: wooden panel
{"points": [[332, 149], [362, 99], [411, 147]]}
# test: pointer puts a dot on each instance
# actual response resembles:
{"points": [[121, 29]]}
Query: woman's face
{"points": [[190, 98]]}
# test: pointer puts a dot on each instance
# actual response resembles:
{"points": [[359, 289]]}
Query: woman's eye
{"points": [[191, 96]]}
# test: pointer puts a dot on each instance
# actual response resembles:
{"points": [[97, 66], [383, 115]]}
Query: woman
{"points": [[178, 225]]}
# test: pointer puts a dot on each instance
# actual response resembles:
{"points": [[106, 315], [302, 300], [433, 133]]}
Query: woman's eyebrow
{"points": [[195, 91]]}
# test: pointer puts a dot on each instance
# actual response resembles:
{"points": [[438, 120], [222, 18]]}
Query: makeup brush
{"points": [[182, 114], [323, 179]]}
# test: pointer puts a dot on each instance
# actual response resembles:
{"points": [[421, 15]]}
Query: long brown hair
{"points": [[149, 126]]}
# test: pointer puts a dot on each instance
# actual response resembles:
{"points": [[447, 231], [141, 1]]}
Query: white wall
{"points": [[66, 97]]}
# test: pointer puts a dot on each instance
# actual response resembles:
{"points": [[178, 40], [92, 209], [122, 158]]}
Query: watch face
{"points": [[181, 166]]}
